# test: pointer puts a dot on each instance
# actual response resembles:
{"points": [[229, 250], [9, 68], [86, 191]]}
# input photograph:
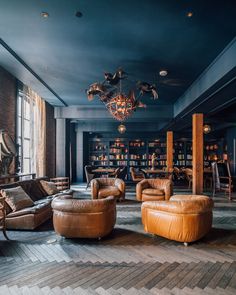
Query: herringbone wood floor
{"points": [[128, 261]]}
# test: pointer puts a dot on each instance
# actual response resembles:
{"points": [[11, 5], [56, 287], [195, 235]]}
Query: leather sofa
{"points": [[74, 218], [154, 189], [104, 187], [184, 218], [31, 217]]}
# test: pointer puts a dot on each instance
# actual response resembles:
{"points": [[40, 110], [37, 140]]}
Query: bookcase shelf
{"points": [[183, 153], [129, 153], [214, 151]]}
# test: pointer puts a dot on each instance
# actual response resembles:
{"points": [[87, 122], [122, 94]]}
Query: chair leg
{"points": [[185, 244], [5, 234]]}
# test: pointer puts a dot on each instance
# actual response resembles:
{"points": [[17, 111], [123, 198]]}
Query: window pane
{"points": [[26, 128], [26, 109], [26, 165], [26, 148]]}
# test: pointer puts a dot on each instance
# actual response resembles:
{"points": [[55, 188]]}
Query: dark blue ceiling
{"points": [[142, 37]]}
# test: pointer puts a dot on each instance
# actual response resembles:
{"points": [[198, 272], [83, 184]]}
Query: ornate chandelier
{"points": [[120, 105]]}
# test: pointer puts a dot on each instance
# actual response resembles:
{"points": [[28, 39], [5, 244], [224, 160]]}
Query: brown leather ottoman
{"points": [[74, 218]]}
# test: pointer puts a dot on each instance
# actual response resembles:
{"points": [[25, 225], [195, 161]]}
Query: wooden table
{"points": [[156, 172], [102, 171]]}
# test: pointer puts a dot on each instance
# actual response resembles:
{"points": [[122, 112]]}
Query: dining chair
{"points": [[89, 174], [222, 180], [189, 176], [122, 174]]}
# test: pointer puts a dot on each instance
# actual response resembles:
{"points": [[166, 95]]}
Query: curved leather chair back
{"points": [[184, 218], [73, 218]]}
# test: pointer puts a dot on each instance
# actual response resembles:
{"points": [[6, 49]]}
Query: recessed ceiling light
{"points": [[189, 14], [78, 14], [44, 14], [163, 73]]}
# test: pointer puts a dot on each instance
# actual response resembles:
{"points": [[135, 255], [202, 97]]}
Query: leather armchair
{"points": [[136, 175], [104, 187], [154, 189], [184, 218], [75, 218]]}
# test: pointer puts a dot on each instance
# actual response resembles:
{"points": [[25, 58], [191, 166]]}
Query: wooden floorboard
{"points": [[129, 261]]}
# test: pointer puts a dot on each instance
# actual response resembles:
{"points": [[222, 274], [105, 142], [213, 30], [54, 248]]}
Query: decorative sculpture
{"points": [[121, 104], [7, 152]]}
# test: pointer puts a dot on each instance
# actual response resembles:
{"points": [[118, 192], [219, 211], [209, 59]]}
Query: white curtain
{"points": [[38, 132]]}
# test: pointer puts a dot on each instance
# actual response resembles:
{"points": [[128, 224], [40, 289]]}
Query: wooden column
{"points": [[169, 150], [197, 156]]}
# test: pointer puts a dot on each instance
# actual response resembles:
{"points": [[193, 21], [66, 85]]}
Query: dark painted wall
{"points": [[50, 141]]}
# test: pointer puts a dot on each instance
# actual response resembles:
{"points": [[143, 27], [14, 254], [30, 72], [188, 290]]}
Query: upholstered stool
{"points": [[184, 218], [74, 218]]}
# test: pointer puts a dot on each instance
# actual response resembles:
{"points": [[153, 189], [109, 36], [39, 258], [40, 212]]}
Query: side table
{"points": [[3, 217]]}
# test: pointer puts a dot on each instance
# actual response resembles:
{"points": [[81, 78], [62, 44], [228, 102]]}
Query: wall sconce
{"points": [[206, 129]]}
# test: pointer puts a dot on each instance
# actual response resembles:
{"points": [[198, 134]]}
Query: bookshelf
{"points": [[183, 153], [159, 148], [137, 154], [118, 153], [124, 152], [214, 151], [98, 153]]}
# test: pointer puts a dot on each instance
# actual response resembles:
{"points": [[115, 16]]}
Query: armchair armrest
{"points": [[140, 186], [121, 185], [168, 189], [94, 188]]}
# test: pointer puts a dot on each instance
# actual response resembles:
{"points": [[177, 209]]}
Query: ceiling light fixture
{"points": [[206, 129], [114, 95], [189, 14], [121, 128], [44, 14], [163, 73]]}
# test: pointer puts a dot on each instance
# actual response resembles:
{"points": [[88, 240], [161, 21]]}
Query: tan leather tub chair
{"points": [[154, 189], [104, 187], [184, 218], [74, 218]]}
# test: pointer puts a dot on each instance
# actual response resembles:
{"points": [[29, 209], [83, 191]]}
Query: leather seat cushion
{"points": [[39, 207], [153, 192], [108, 191], [146, 198]]}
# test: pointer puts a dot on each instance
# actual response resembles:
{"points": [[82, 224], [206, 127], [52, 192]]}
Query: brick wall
{"points": [[50, 141], [8, 105], [8, 102]]}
